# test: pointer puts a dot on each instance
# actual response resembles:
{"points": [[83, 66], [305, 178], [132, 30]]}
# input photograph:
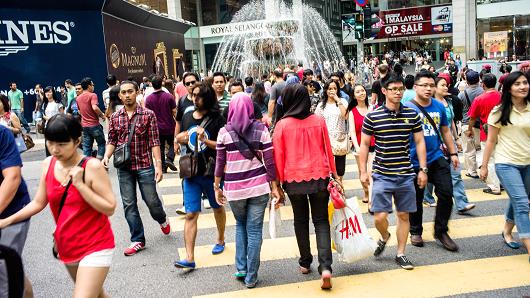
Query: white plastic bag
{"points": [[350, 235], [275, 219]]}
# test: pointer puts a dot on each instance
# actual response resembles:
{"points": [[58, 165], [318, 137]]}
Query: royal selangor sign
{"points": [[232, 29], [426, 20]]}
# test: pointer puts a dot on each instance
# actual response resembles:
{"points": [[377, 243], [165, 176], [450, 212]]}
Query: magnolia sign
{"points": [[17, 36]]}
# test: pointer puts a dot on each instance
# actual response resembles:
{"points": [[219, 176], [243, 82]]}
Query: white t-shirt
{"points": [[52, 109], [332, 114]]}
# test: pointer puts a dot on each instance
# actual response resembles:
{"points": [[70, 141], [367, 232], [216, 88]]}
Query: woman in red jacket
{"points": [[304, 161], [83, 236]]}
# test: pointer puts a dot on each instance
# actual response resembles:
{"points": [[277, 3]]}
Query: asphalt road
{"points": [[151, 272]]}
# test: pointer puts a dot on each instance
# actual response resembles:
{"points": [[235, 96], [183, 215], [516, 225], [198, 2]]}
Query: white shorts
{"points": [[102, 258]]}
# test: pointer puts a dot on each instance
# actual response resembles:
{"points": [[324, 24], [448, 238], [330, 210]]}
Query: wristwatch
{"points": [[453, 154], [425, 170]]}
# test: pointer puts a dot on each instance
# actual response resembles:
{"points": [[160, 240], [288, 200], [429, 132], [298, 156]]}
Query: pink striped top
{"points": [[244, 178]]}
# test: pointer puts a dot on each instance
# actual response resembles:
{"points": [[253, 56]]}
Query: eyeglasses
{"points": [[426, 85], [396, 89], [190, 83]]}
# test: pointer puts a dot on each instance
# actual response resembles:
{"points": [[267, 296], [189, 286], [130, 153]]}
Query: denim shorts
{"points": [[400, 187], [193, 189]]}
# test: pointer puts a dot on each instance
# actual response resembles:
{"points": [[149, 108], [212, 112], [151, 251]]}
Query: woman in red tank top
{"points": [[359, 107], [83, 236]]}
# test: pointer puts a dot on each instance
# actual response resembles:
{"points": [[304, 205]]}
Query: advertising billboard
{"points": [[416, 21], [135, 51], [496, 44], [49, 46]]}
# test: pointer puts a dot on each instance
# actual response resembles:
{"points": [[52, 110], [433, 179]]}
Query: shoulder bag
{"points": [[189, 163], [444, 149], [61, 205], [122, 154]]}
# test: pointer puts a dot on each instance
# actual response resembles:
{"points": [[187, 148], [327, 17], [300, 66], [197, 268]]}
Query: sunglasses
{"points": [[190, 83]]}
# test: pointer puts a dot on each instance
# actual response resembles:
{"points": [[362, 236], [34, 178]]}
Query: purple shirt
{"points": [[162, 104]]}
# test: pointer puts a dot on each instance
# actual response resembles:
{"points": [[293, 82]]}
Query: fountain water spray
{"points": [[289, 35]]}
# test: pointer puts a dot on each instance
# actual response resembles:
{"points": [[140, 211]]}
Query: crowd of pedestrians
{"points": [[253, 145]]}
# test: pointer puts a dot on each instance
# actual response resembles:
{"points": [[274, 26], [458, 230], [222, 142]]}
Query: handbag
{"points": [[122, 154], [40, 126], [61, 205], [189, 163], [443, 148], [339, 146], [28, 141], [21, 145]]}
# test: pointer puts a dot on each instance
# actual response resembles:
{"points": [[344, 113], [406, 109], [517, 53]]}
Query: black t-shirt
{"points": [[257, 111], [185, 105], [213, 125], [377, 87]]}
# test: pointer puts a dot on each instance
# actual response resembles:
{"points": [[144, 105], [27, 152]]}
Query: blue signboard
{"points": [[48, 46]]}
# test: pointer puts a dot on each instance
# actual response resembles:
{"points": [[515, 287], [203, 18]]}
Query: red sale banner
{"points": [[425, 20]]}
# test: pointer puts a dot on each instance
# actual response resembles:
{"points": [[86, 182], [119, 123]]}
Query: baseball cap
{"points": [[486, 66], [472, 77]]}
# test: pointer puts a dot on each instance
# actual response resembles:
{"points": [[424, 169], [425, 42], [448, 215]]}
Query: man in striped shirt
{"points": [[393, 174]]}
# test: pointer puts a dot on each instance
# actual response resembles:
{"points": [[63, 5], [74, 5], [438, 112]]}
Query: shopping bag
{"points": [[350, 235], [21, 145], [275, 219], [331, 210]]}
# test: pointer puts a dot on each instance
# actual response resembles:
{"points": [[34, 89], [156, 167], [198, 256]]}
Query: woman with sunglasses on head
{"points": [[509, 136], [333, 109], [81, 200], [304, 162]]}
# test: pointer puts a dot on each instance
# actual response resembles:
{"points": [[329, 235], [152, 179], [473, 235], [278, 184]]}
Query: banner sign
{"points": [[48, 46], [426, 20], [496, 44], [134, 51]]}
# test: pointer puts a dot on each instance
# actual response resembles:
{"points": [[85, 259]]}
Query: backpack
{"points": [[458, 108]]}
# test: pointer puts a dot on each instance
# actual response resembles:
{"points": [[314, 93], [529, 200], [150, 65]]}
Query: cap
{"points": [[472, 77], [446, 76], [486, 66]]}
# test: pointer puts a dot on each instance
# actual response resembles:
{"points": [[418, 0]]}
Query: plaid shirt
{"points": [[145, 135]]}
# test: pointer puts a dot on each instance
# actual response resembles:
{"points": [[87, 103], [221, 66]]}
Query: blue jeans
{"points": [[89, 135], [459, 193], [516, 181], [249, 215], [146, 182], [22, 119]]}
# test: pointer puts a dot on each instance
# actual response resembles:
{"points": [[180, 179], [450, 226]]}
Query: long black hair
{"points": [[54, 96], [353, 101], [259, 94], [506, 98], [209, 99], [324, 98]]}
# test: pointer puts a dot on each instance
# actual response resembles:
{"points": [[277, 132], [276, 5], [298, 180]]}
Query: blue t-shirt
{"points": [[437, 112], [9, 157]]}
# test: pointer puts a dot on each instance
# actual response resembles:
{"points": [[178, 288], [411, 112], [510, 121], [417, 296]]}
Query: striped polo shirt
{"points": [[392, 132]]}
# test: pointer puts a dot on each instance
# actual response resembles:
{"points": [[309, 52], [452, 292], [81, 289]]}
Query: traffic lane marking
{"points": [[458, 228], [458, 278]]}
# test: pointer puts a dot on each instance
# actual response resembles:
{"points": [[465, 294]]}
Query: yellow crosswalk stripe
{"points": [[458, 278], [459, 228], [207, 221]]}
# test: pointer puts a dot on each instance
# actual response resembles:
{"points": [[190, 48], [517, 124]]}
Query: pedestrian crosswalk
{"points": [[480, 273]]}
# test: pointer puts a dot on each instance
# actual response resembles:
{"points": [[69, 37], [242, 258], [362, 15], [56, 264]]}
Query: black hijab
{"points": [[296, 102]]}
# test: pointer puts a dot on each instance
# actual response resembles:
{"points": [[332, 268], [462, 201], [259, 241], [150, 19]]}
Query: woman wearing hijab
{"points": [[304, 162], [246, 163]]}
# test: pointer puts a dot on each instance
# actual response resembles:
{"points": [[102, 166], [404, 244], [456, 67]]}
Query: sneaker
{"points": [[166, 229], [491, 191], [206, 204], [134, 248], [433, 205], [218, 248], [381, 244], [466, 209], [181, 211], [404, 262], [325, 280]]}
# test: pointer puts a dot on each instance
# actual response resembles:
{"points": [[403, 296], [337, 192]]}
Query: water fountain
{"points": [[290, 35]]}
